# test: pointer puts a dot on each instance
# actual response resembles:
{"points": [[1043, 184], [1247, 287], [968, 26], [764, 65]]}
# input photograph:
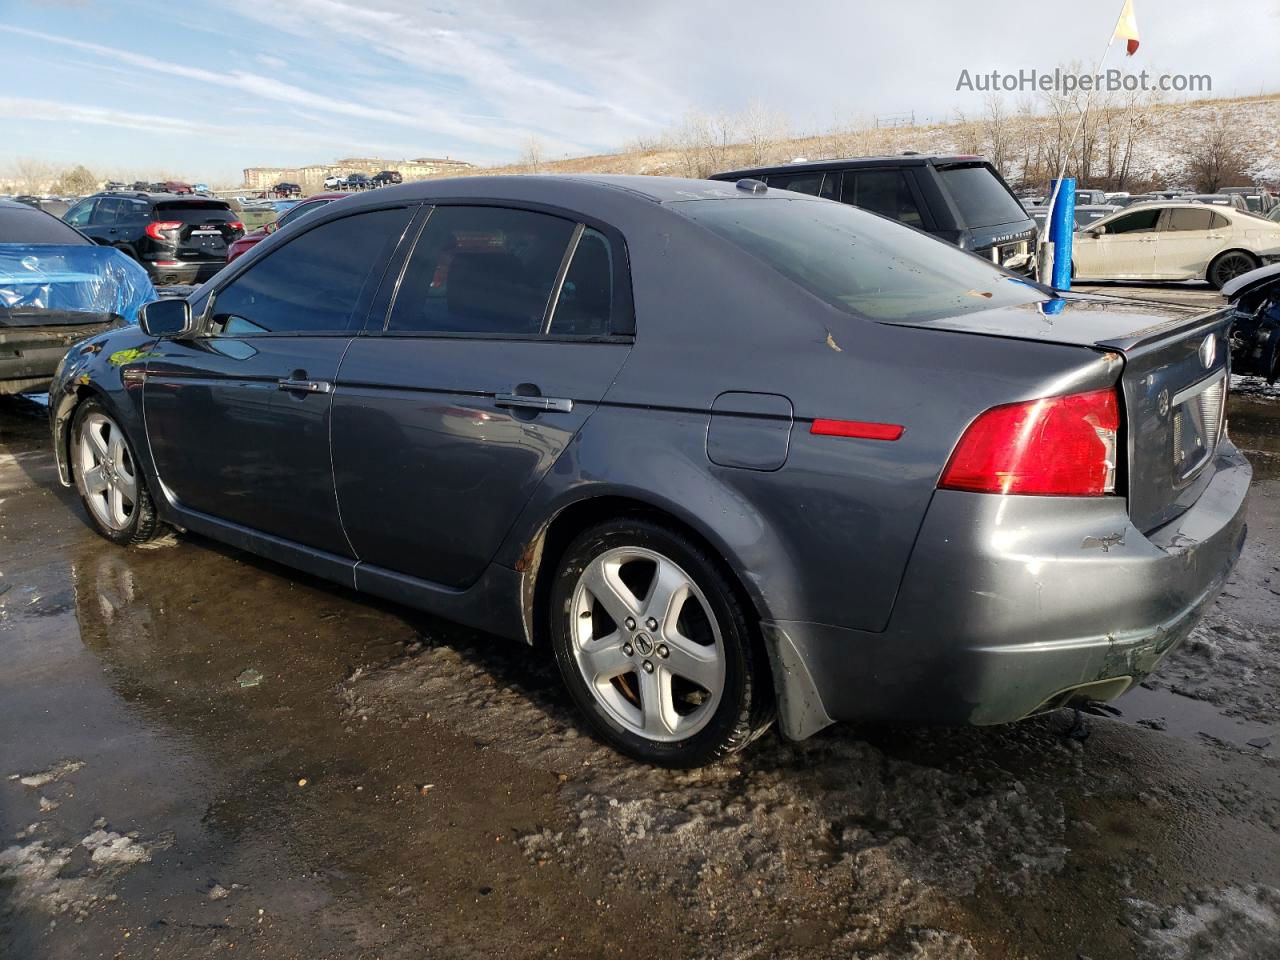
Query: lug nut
{"points": [[651, 623], [663, 651], [626, 648], [631, 624], [648, 667]]}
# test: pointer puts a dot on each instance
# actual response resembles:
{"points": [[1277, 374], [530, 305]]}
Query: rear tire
{"points": [[110, 482], [656, 647], [1229, 265]]}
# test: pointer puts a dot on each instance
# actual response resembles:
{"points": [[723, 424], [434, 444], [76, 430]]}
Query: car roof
{"points": [[563, 189], [897, 160]]}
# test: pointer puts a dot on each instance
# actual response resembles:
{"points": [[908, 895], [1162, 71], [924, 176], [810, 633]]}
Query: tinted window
{"points": [[982, 199], [78, 215], [195, 211], [885, 192], [830, 186], [810, 183], [314, 282], [1189, 220], [1137, 222], [586, 297], [26, 225], [859, 263], [301, 210], [1220, 222], [482, 270]]}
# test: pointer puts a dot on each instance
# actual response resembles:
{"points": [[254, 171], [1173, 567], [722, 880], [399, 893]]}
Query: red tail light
{"points": [[1058, 446], [156, 227], [236, 225]]}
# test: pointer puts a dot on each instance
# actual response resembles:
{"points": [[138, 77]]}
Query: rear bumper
{"points": [[1015, 605], [182, 271]]}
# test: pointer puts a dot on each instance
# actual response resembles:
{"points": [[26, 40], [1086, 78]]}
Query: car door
{"points": [[507, 328], [1186, 241], [1124, 250], [238, 417]]}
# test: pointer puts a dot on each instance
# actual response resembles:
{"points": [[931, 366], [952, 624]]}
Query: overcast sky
{"points": [[206, 89]]}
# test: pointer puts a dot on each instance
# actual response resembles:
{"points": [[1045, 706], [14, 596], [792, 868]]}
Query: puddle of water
{"points": [[1189, 719]]}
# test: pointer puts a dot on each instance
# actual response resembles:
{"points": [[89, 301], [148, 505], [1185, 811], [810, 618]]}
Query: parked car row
{"points": [[361, 181], [1257, 200]]}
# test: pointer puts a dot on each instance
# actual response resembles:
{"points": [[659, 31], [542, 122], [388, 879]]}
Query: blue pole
{"points": [[1061, 227]]}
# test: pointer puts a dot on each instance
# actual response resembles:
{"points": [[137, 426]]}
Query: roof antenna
{"points": [[750, 185]]}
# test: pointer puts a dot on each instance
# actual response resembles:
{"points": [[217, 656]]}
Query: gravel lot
{"points": [[201, 752]]}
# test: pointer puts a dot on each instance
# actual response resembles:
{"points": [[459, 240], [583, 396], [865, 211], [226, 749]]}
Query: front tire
{"points": [[110, 482], [655, 645]]}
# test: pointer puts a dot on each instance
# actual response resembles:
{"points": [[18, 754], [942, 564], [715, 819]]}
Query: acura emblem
{"points": [[1208, 349]]}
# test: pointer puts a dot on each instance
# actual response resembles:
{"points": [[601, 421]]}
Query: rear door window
{"points": [[885, 192], [485, 270], [1180, 220], [982, 199], [315, 282]]}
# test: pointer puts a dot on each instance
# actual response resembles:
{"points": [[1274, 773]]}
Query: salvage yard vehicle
{"points": [[1255, 335], [178, 239], [960, 199], [1174, 241], [675, 430], [56, 288], [249, 240]]}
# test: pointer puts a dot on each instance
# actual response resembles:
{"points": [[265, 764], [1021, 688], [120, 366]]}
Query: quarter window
{"points": [[586, 296], [810, 183], [313, 283], [490, 270]]}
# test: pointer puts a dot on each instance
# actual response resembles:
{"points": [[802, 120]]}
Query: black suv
{"points": [[358, 181], [387, 176], [179, 239], [960, 199]]}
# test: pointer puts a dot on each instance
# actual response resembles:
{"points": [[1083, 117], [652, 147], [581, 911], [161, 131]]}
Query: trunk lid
{"points": [[206, 229], [1174, 383]]}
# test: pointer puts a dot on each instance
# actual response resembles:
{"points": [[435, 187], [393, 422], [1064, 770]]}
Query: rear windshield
{"points": [[28, 225], [861, 263], [195, 211], [982, 199]]}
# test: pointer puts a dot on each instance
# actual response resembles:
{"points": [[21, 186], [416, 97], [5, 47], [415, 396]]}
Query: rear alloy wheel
{"points": [[108, 478], [1230, 265], [655, 646]]}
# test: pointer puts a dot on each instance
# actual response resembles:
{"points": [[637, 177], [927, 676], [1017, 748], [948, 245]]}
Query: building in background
{"points": [[312, 177]]}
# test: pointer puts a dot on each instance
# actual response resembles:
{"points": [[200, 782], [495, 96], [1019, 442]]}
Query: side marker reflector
{"points": [[857, 428]]}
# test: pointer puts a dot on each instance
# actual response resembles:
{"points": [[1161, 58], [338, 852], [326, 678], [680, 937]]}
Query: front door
{"points": [[238, 417], [1188, 238], [1125, 250], [508, 327]]}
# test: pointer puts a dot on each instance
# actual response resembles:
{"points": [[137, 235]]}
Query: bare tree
{"points": [[30, 175], [997, 134], [1213, 155], [532, 157]]}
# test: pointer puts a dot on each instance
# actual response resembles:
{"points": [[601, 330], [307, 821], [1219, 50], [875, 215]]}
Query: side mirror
{"points": [[166, 318], [1096, 232]]}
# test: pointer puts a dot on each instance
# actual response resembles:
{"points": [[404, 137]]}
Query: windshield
{"points": [[981, 197], [861, 263]]}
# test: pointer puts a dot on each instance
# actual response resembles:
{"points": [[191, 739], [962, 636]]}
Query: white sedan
{"points": [[1174, 241]]}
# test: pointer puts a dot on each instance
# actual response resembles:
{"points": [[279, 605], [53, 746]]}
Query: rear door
{"points": [[238, 417], [1186, 241], [888, 192], [507, 328]]}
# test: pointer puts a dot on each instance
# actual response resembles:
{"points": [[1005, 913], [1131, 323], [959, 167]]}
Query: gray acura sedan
{"points": [[726, 452]]}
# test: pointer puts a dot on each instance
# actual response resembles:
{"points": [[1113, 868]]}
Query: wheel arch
{"points": [[541, 554], [1217, 257], [64, 414]]}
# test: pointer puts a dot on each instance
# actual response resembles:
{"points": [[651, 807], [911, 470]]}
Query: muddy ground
{"points": [[203, 754]]}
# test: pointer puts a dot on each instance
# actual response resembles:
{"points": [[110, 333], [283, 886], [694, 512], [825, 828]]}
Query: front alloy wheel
{"points": [[655, 645], [107, 476]]}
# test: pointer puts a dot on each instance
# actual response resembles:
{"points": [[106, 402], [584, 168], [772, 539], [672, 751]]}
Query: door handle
{"points": [[305, 386], [548, 404]]}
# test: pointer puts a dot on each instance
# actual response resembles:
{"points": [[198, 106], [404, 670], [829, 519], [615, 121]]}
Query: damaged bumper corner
{"points": [[1015, 605]]}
